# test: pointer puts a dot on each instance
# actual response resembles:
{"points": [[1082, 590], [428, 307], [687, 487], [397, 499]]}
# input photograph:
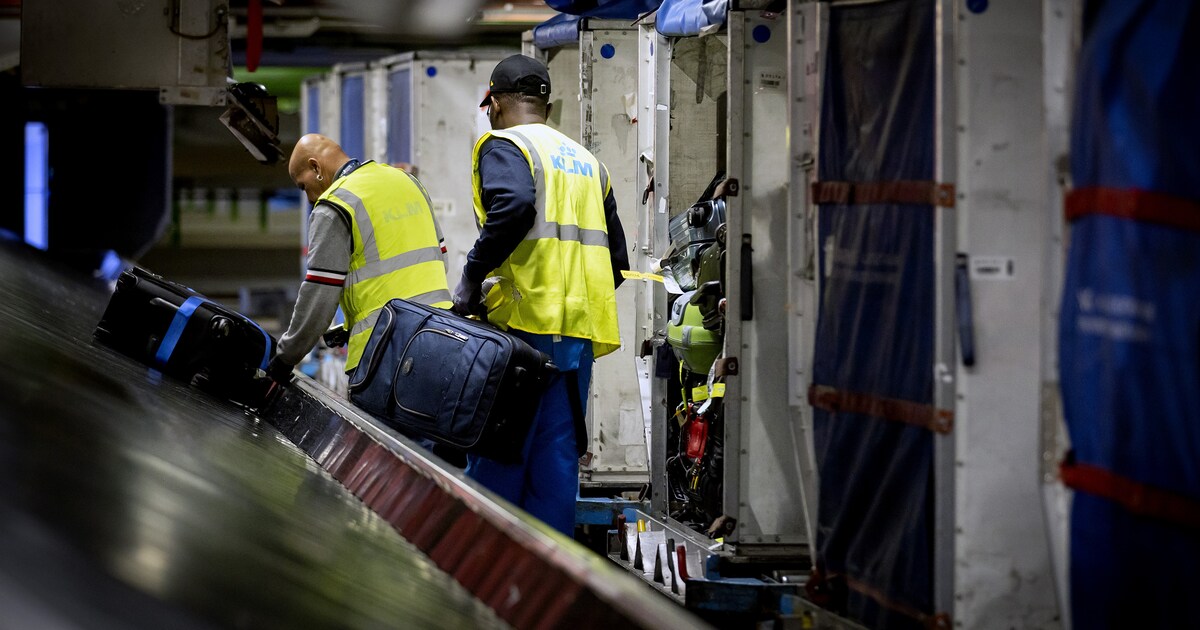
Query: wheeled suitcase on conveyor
{"points": [[429, 372], [181, 333]]}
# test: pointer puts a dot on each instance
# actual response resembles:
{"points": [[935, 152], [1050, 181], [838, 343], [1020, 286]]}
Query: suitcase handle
{"points": [[163, 303]]}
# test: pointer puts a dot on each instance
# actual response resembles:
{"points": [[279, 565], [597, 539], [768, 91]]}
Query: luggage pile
{"points": [[695, 334]]}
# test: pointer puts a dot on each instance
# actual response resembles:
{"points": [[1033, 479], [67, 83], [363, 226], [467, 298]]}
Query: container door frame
{"points": [[764, 483], [618, 440]]}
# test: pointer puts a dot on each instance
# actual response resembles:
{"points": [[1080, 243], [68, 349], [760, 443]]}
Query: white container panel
{"points": [[616, 423], [772, 447], [698, 117], [563, 64], [1003, 574], [447, 121]]}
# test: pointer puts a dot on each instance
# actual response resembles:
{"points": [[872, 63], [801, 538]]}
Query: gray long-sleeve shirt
{"points": [[329, 244]]}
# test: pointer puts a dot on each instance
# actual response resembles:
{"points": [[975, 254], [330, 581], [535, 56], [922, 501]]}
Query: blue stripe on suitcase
{"points": [[171, 339]]}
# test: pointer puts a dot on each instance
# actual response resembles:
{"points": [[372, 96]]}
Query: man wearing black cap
{"points": [[552, 249]]}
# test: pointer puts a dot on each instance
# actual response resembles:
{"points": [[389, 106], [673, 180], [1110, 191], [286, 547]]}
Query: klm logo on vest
{"points": [[565, 161], [410, 209]]}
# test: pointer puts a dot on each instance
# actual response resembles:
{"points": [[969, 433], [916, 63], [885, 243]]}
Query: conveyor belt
{"points": [[531, 575], [127, 500], [131, 500]]}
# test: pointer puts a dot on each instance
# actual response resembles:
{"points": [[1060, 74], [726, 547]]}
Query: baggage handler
{"points": [[552, 244], [371, 237]]}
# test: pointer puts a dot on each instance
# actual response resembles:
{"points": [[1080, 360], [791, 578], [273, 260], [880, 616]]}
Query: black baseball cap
{"points": [[521, 74]]}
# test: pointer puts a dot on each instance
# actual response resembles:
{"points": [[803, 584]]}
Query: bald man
{"points": [[371, 237]]}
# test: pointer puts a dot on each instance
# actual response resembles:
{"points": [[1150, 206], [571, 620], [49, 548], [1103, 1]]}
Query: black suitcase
{"points": [[431, 373], [181, 333]]}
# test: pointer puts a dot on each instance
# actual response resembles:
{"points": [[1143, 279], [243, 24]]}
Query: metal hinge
{"points": [[727, 367]]}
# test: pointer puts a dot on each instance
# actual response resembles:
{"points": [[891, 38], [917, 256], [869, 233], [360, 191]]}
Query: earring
{"points": [[320, 179]]}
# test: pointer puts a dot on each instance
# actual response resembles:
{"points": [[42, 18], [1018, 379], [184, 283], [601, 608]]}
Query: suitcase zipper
{"points": [[373, 361]]}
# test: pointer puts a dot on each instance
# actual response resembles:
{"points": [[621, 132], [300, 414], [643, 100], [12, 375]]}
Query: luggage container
{"points": [[351, 80], [344, 106], [719, 104], [680, 79], [958, 474], [320, 112], [431, 120], [320, 105], [562, 61]]}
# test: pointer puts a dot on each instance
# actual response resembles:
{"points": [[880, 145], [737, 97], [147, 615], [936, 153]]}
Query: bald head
{"points": [[314, 162]]}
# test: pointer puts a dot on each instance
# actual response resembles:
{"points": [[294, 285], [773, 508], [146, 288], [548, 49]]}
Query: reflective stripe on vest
{"points": [[543, 227], [363, 220], [436, 226]]}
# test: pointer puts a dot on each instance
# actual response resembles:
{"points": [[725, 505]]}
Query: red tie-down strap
{"points": [[1136, 205], [841, 401], [1135, 496], [254, 34], [910, 192], [826, 589]]}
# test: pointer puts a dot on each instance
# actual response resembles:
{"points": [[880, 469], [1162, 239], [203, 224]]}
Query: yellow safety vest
{"points": [[397, 251], [559, 280]]}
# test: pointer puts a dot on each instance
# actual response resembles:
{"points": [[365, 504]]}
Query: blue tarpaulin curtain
{"points": [[686, 18], [873, 355], [1129, 329]]}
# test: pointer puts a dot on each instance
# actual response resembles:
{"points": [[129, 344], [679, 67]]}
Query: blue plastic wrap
{"points": [[1130, 322], [874, 341], [686, 18], [563, 28], [608, 9], [1137, 111], [558, 31]]}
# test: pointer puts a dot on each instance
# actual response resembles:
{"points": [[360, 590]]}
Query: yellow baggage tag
{"points": [[718, 390], [638, 275], [699, 393]]}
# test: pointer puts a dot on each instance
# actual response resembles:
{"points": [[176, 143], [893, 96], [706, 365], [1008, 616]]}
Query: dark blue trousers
{"points": [[546, 482]]}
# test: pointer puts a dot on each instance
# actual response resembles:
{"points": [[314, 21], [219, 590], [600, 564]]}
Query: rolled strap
{"points": [[1135, 496]]}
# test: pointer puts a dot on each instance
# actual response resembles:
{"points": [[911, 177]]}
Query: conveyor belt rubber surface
{"points": [[130, 500]]}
